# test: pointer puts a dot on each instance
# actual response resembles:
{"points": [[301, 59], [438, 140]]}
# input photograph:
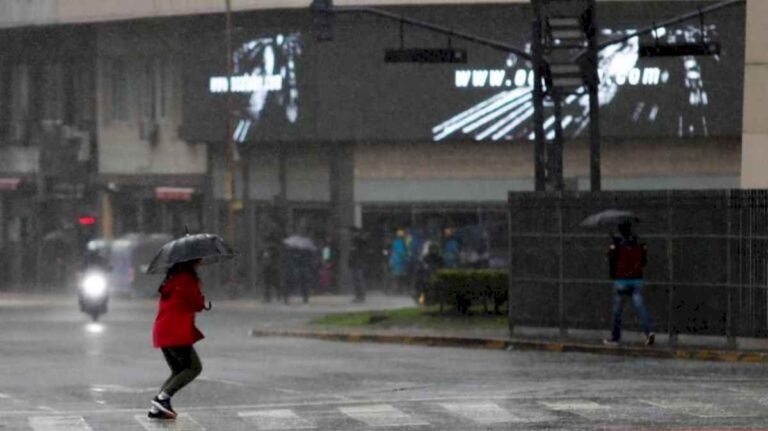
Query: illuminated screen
{"points": [[287, 86]]}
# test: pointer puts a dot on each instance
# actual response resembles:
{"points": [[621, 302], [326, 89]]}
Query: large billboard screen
{"points": [[287, 86]]}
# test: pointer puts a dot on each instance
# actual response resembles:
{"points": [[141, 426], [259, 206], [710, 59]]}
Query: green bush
{"points": [[461, 288]]}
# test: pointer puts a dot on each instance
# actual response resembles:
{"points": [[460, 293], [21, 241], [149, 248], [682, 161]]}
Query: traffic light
{"points": [[86, 220], [323, 19]]}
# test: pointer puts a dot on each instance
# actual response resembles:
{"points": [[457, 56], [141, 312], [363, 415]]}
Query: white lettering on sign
{"points": [[495, 78], [246, 83]]}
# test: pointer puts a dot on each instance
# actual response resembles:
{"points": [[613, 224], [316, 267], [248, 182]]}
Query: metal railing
{"points": [[707, 272]]}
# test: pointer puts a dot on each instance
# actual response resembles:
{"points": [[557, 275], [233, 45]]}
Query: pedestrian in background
{"points": [[175, 333], [357, 261], [627, 257], [399, 261], [451, 249], [270, 267]]}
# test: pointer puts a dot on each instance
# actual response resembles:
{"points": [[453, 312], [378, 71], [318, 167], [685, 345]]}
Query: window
{"points": [[118, 90], [19, 100], [5, 100], [51, 96], [155, 94]]}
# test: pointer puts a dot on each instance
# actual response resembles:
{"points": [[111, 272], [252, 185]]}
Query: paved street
{"points": [[59, 372]]}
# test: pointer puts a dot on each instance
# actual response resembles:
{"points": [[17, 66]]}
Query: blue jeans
{"points": [[623, 288]]}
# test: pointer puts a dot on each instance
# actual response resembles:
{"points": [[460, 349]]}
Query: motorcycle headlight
{"points": [[94, 285]]}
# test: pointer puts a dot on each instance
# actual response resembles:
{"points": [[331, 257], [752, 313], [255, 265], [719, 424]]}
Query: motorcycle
{"points": [[93, 293]]}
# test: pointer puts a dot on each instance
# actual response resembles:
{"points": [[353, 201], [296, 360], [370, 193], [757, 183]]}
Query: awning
{"points": [[174, 193], [9, 184]]}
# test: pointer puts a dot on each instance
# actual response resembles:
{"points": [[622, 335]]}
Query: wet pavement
{"points": [[60, 372]]}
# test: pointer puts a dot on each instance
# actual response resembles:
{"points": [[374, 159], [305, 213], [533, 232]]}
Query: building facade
{"points": [[329, 135]]}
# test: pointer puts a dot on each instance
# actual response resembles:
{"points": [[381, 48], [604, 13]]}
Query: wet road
{"points": [[59, 372]]}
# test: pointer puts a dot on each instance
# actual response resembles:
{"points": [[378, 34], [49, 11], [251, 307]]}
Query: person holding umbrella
{"points": [[627, 257], [174, 331]]}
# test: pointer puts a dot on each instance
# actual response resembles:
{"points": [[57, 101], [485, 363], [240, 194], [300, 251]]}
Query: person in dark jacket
{"points": [[627, 257], [358, 256], [175, 333]]}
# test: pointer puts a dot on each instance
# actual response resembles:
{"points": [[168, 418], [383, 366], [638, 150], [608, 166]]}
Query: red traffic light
{"points": [[87, 220]]}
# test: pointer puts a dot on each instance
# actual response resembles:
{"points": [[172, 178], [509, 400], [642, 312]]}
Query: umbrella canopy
{"points": [[206, 247], [609, 217], [300, 242]]}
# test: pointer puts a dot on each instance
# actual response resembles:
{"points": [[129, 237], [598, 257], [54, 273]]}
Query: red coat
{"points": [[180, 299]]}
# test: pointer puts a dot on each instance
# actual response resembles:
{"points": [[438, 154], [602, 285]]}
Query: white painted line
{"points": [[5, 396], [49, 409], [696, 409], [485, 413], [182, 423], [573, 406], [58, 423], [118, 389], [381, 415], [281, 419]]}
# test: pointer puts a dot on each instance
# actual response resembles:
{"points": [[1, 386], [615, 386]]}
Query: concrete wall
{"points": [[487, 171], [122, 151], [755, 139]]}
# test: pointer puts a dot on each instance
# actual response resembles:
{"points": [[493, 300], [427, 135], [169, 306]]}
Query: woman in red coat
{"points": [[175, 333]]}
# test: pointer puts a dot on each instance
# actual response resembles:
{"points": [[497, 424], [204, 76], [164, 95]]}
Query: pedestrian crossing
{"points": [[426, 414]]}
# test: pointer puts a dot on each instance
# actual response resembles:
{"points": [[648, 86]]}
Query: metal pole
{"points": [[538, 100], [556, 161], [671, 322], [437, 29], [730, 333], [231, 166], [676, 20], [560, 270], [250, 226], [594, 103]]}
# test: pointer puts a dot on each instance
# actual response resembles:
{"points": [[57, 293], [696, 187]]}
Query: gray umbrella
{"points": [[609, 217], [209, 248]]}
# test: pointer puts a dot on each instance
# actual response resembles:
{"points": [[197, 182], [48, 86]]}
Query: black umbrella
{"points": [[609, 217], [206, 247]]}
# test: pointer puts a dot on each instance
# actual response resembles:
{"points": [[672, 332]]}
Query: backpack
{"points": [[627, 258]]}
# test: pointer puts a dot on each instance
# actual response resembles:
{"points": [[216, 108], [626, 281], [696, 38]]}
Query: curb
{"points": [[516, 344]]}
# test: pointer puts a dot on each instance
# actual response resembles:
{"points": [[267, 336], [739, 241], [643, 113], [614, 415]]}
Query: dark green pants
{"points": [[185, 366]]}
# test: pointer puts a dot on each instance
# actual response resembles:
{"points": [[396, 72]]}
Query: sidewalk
{"points": [[295, 321]]}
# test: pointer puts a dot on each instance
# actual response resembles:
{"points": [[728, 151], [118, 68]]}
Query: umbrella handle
{"points": [[208, 307]]}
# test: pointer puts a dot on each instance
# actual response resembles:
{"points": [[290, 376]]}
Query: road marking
{"points": [[182, 423], [696, 409], [485, 413], [574, 406], [381, 415], [226, 382], [117, 389], [58, 423], [281, 419]]}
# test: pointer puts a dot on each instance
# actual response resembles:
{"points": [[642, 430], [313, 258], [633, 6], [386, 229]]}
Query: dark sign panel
{"points": [[287, 86]]}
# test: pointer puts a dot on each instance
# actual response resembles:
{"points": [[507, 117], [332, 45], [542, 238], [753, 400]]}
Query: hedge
{"points": [[460, 288]]}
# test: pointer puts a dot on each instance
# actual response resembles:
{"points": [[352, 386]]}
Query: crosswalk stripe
{"points": [[485, 413], [280, 419], [694, 408], [183, 422], [58, 423], [573, 406], [381, 415]]}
